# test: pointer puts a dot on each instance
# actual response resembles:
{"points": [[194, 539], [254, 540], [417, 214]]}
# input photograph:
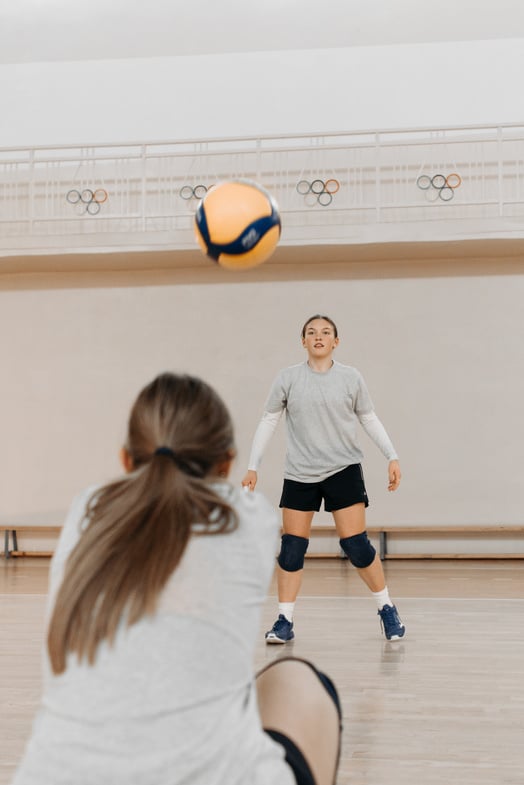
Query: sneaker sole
{"points": [[396, 637], [274, 639]]}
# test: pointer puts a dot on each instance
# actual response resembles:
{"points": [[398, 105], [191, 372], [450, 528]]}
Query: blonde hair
{"points": [[138, 526]]}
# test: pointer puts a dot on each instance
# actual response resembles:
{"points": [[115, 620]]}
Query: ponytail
{"points": [[138, 527]]}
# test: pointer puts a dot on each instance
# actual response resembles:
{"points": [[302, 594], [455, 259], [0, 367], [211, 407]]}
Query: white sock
{"points": [[286, 609], [382, 598]]}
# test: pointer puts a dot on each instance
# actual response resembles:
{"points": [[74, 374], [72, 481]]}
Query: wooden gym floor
{"points": [[443, 706]]}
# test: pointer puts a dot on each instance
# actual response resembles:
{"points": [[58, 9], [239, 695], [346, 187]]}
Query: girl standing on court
{"points": [[156, 589], [324, 402]]}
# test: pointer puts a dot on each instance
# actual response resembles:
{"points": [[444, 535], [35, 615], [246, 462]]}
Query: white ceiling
{"points": [[54, 30]]}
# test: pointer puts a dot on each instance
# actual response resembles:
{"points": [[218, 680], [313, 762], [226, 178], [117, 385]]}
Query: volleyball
{"points": [[237, 224]]}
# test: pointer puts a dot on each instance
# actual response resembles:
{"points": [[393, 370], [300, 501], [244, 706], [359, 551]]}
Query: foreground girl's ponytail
{"points": [[179, 435]]}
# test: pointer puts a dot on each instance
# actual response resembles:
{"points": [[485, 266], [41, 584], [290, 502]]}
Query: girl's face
{"points": [[319, 339]]}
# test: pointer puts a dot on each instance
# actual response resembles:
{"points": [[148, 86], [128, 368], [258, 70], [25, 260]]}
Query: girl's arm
{"points": [[378, 434], [265, 430]]}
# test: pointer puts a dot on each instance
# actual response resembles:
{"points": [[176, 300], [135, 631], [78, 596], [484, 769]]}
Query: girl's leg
{"points": [[294, 701], [350, 521], [298, 523]]}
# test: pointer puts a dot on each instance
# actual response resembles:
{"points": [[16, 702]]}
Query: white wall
{"points": [[442, 357], [321, 90]]}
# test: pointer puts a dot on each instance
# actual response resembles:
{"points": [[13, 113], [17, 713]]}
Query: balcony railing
{"points": [[340, 187]]}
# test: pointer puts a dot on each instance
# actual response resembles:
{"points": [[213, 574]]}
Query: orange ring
{"points": [[457, 181], [332, 189], [100, 195]]}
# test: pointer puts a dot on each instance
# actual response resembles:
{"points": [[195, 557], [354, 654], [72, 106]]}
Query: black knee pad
{"points": [[359, 550], [292, 552]]}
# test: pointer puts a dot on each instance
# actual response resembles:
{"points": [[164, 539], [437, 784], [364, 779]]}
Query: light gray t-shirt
{"points": [[173, 701], [322, 411]]}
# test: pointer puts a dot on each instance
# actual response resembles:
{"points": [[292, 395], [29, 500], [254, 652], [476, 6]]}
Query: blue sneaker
{"points": [[281, 631], [391, 623]]}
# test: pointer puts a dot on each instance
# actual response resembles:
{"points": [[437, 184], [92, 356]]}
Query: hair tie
{"points": [[166, 451], [187, 467]]}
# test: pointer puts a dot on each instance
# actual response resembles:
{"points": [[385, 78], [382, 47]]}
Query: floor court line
{"points": [[409, 598]]}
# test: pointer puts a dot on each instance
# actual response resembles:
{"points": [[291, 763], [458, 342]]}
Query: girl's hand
{"points": [[394, 475], [250, 480]]}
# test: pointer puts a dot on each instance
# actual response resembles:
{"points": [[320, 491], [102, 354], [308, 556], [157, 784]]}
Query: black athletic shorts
{"points": [[340, 490], [294, 758]]}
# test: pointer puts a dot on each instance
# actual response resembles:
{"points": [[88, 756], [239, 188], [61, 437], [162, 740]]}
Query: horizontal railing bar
{"points": [[284, 136]]}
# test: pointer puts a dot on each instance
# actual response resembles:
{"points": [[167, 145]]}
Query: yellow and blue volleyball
{"points": [[237, 224]]}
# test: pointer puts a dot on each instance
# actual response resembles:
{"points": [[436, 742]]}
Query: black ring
{"points": [[199, 191], [318, 186], [438, 181]]}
